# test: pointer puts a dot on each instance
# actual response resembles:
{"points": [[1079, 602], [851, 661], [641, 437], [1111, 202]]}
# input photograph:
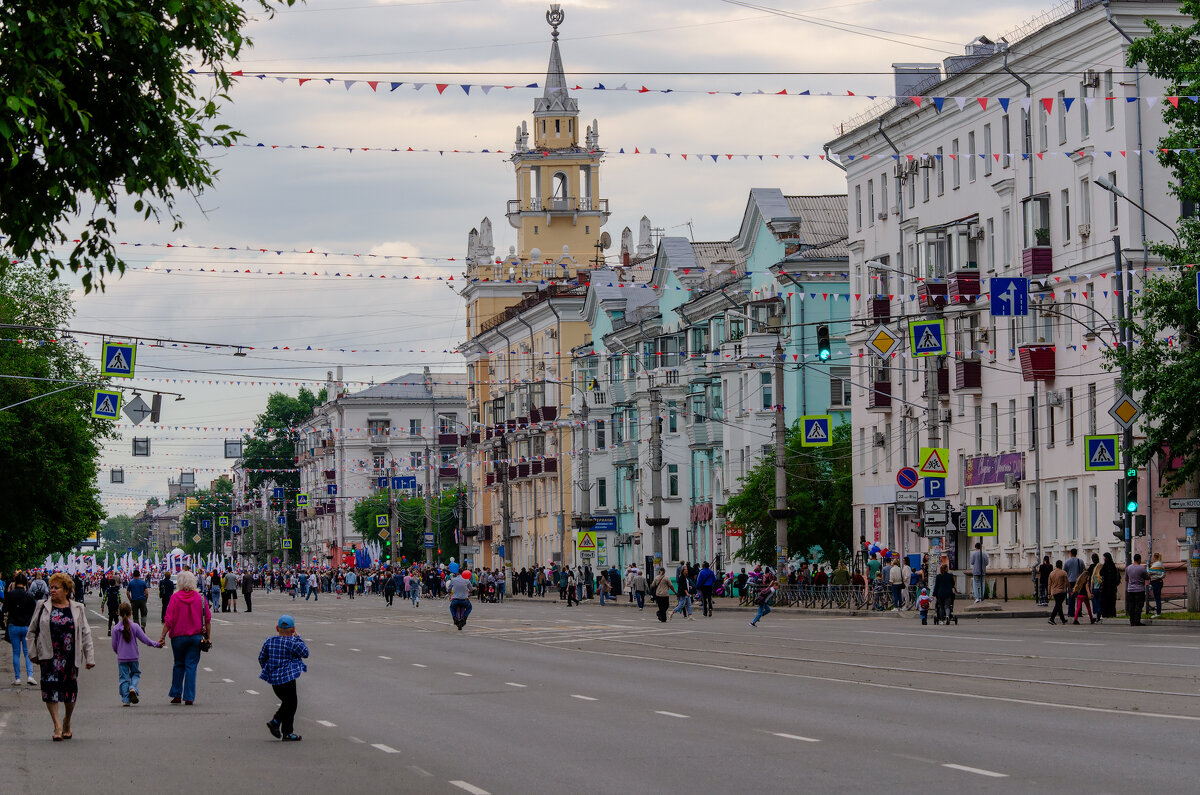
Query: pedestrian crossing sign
{"points": [[587, 541], [982, 520], [223, 521], [816, 430], [1100, 452], [287, 543], [381, 520], [117, 359], [106, 404], [927, 337], [301, 500], [933, 461]]}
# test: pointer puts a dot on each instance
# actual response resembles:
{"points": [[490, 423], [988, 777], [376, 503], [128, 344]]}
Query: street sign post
{"points": [[106, 404], [935, 488], [116, 359], [1010, 296], [906, 478], [1185, 503], [429, 541], [933, 461], [982, 520], [137, 410], [1125, 411], [883, 342], [906, 496]]}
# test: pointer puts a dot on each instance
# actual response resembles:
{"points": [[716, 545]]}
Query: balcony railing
{"points": [[880, 310], [943, 385], [880, 395], [448, 439], [1037, 362], [1037, 261], [968, 374], [931, 294], [964, 287], [379, 438], [569, 204], [448, 472]]}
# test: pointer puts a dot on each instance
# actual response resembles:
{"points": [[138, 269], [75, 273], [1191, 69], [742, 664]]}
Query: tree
{"points": [[98, 101], [49, 442], [211, 505], [819, 491], [118, 532], [410, 511], [1163, 366]]}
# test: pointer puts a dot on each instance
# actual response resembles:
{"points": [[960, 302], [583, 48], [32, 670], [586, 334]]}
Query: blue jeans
{"points": [[897, 599], [17, 636], [455, 604], [684, 605], [763, 609], [186, 649], [603, 598], [130, 674], [977, 581], [415, 595], [640, 596]]}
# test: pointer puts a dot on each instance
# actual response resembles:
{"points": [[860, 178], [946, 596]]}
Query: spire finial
{"points": [[555, 17]]}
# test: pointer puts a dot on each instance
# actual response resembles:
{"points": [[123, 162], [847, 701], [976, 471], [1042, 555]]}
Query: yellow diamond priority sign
{"points": [[883, 342], [1125, 411]]}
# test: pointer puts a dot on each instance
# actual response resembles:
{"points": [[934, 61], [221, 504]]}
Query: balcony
{"points": [[448, 439], [379, 439], [512, 472], [550, 465], [489, 479], [625, 454], [543, 414], [331, 474], [880, 395], [523, 469], [931, 294], [618, 391], [968, 375], [469, 438], [318, 511], [879, 310], [1037, 261], [943, 384], [707, 434], [568, 204], [964, 287], [535, 468], [448, 472], [1037, 362]]}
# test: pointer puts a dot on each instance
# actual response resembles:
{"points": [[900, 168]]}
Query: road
{"points": [[536, 695]]}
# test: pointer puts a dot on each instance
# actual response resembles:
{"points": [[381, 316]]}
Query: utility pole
{"points": [[585, 520], [933, 311], [1126, 436], [656, 520], [428, 504], [505, 516], [393, 520], [780, 513]]}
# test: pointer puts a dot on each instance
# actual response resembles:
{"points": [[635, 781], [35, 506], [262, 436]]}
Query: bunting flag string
{"points": [[443, 84], [1006, 158]]}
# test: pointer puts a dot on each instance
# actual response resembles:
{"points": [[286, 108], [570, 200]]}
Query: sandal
{"points": [[56, 737], [66, 735]]}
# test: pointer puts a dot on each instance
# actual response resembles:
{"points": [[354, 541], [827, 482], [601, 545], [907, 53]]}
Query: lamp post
{"points": [[1103, 184]]}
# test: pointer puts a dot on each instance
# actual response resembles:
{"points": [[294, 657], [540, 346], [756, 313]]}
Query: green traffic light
{"points": [[1131, 472], [1131, 506]]}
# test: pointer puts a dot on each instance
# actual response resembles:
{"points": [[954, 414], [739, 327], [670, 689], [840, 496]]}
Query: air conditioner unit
{"points": [[983, 335], [1054, 397], [880, 439], [901, 169], [1010, 480], [1085, 230], [975, 232], [927, 161], [552, 334], [1091, 79], [881, 216], [1011, 502], [946, 415]]}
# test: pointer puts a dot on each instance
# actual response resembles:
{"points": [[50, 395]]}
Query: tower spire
{"points": [[555, 97]]}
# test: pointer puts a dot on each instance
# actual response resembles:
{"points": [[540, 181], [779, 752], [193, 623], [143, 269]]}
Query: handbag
{"points": [[205, 643]]}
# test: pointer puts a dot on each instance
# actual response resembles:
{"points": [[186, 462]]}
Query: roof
{"points": [[824, 225], [724, 252], [411, 386]]}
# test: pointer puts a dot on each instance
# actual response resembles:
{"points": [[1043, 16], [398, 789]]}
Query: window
{"points": [[1093, 510], [839, 386], [1065, 200], [1072, 513], [995, 428], [912, 192], [1070, 404], [971, 156], [883, 194], [1049, 424], [1110, 110], [1033, 430], [674, 543], [447, 423], [1062, 117], [858, 207], [672, 480], [990, 230], [1085, 201], [925, 183], [601, 492], [941, 172], [979, 429], [955, 169], [870, 202], [1091, 409], [414, 427], [379, 427], [1012, 425], [601, 442], [415, 459], [1052, 514], [672, 417], [1043, 127], [1006, 231], [987, 150], [1005, 141], [1113, 203], [1085, 122], [767, 390]]}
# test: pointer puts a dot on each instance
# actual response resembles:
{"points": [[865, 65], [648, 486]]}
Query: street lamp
{"points": [[1103, 184]]}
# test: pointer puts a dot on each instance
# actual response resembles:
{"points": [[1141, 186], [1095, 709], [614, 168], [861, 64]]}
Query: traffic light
{"points": [[823, 349], [1119, 533], [1139, 525], [1131, 490], [155, 408]]}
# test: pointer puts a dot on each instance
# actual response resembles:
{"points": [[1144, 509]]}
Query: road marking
{"points": [[460, 673], [252, 692], [326, 724], [356, 650], [418, 665], [669, 714], [796, 737], [208, 670], [977, 771], [330, 644], [583, 698], [515, 684], [421, 770], [1071, 643], [387, 749], [956, 636], [227, 681], [356, 740], [1164, 646], [384, 658], [471, 788]]}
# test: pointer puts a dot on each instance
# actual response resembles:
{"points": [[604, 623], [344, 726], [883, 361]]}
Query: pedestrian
{"points": [[943, 595], [923, 605], [1073, 566], [282, 659], [351, 582], [1082, 591], [683, 593], [1058, 585], [1110, 580], [605, 589], [638, 586], [661, 590], [166, 587], [573, 589], [135, 592], [706, 582], [112, 600], [763, 600], [247, 589], [1135, 591], [125, 644], [231, 587], [18, 611], [61, 641], [896, 580], [979, 562], [189, 623], [1158, 573]]}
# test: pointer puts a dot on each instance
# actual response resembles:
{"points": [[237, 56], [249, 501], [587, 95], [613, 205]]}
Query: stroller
{"points": [[489, 592], [945, 611]]}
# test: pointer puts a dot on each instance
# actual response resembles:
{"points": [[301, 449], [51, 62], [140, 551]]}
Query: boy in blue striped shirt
{"points": [[282, 660]]}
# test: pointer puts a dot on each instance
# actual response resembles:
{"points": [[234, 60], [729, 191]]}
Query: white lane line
{"points": [[421, 770], [669, 714], [460, 673], [796, 737], [976, 770], [955, 636], [326, 724], [384, 658], [356, 650], [208, 670], [387, 749], [583, 698], [330, 644], [471, 788], [515, 684], [1164, 646], [227, 681], [1071, 643], [418, 665], [356, 740], [252, 692]]}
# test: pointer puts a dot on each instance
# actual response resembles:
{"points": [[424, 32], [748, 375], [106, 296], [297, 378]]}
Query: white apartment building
{"points": [[409, 427], [964, 197]]}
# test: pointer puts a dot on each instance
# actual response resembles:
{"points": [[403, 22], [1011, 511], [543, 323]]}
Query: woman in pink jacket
{"points": [[189, 623]]}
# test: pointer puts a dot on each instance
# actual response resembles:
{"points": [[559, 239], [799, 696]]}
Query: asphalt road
{"points": [[535, 696]]}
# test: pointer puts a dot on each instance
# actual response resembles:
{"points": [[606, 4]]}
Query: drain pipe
{"points": [[1137, 89], [829, 158]]}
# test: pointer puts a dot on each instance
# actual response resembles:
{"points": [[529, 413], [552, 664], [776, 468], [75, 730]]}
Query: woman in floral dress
{"points": [[61, 640]]}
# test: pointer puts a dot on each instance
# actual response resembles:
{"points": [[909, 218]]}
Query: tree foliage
{"points": [[211, 504], [49, 444], [98, 103], [410, 511], [819, 490], [1163, 366]]}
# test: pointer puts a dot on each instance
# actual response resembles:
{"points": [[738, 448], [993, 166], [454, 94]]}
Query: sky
{"points": [[353, 208]]}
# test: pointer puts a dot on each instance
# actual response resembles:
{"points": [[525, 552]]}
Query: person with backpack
{"points": [[166, 587], [112, 601], [763, 599]]}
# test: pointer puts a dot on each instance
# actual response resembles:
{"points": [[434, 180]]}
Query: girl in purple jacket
{"points": [[125, 644]]}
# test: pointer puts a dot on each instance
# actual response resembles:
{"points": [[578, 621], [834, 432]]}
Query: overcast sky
{"points": [[424, 204]]}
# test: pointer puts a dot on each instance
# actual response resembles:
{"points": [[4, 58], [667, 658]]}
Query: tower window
{"points": [[543, 126], [559, 189], [557, 126]]}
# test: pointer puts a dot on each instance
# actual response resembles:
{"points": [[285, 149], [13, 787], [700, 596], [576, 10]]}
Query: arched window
{"points": [[559, 187]]}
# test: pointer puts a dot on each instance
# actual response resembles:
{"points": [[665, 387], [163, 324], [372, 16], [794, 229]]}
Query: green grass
{"points": [[1179, 615]]}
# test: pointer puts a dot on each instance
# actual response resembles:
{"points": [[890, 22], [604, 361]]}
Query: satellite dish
{"points": [[605, 240]]}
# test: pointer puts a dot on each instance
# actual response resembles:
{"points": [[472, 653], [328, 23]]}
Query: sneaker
{"points": [[188, 703], [292, 738], [753, 624], [177, 700], [16, 683], [124, 703], [273, 728], [133, 696]]}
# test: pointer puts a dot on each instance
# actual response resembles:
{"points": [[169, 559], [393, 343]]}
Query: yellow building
{"points": [[524, 315]]}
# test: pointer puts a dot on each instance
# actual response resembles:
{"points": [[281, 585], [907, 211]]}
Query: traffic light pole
{"points": [[780, 513], [1127, 435]]}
